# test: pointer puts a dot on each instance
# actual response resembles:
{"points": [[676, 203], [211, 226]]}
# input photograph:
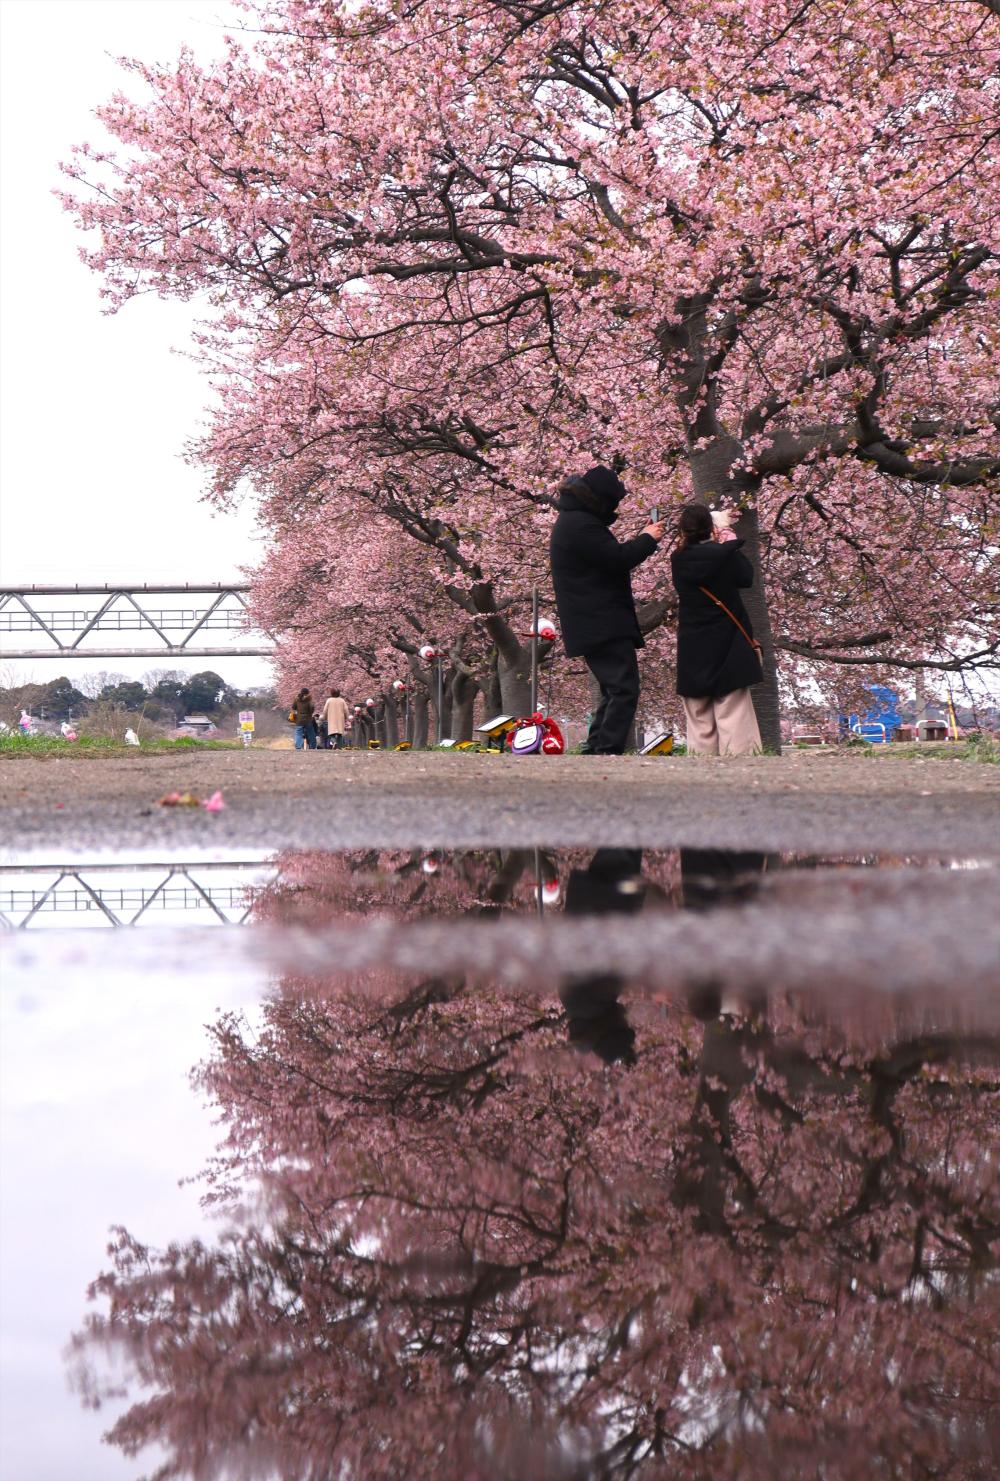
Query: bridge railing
{"points": [[95, 894]]}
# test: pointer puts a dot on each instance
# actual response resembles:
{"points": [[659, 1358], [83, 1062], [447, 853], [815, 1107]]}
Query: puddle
{"points": [[509, 1164]]}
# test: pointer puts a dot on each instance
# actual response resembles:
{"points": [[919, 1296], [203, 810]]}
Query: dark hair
{"points": [[694, 524], [334, 693], [302, 693]]}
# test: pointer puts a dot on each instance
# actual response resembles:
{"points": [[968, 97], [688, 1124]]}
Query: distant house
{"points": [[198, 722]]}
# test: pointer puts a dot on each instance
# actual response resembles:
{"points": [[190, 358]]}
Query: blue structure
{"points": [[878, 724]]}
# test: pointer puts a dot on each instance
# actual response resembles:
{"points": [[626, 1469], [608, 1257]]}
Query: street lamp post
{"points": [[534, 650], [433, 656]]}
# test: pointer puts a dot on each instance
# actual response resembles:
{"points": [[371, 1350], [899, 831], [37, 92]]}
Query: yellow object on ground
{"points": [[660, 745]]}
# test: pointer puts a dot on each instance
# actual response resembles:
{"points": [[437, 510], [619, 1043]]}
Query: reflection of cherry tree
{"points": [[472, 1252], [315, 886]]}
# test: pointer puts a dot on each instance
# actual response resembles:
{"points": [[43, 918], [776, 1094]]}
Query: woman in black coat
{"points": [[717, 658]]}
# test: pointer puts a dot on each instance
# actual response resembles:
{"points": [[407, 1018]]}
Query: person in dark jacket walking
{"points": [[305, 720], [591, 573], [717, 657]]}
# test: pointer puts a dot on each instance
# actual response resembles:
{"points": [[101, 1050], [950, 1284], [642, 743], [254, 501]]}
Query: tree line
{"points": [[162, 696]]}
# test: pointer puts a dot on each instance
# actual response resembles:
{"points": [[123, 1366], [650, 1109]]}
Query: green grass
{"points": [[981, 749], [15, 744]]}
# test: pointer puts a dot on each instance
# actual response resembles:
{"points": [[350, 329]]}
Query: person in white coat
{"points": [[334, 720]]}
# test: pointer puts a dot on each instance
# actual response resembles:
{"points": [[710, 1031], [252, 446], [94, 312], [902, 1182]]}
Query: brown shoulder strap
{"points": [[732, 617]]}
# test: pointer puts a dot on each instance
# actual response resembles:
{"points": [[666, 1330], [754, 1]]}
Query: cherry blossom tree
{"points": [[747, 252]]}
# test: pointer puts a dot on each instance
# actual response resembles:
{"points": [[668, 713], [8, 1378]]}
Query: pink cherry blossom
{"points": [[750, 251]]}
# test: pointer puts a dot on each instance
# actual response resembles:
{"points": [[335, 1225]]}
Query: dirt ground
{"points": [[804, 800]]}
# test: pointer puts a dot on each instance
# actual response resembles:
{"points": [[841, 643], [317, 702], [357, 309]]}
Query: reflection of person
{"points": [[595, 1018], [305, 722], [717, 657], [334, 719], [593, 586], [612, 883], [711, 877], [714, 876]]}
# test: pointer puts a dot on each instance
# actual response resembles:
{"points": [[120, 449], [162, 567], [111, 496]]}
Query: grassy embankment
{"points": [[981, 750], [99, 746]]}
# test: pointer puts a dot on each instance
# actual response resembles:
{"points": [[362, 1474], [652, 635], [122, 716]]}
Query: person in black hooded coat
{"points": [[717, 659], [591, 574]]}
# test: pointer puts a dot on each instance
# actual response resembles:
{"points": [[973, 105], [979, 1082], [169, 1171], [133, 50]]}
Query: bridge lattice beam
{"points": [[175, 627]]}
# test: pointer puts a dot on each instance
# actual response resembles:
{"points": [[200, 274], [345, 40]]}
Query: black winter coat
{"points": [[713, 656], [591, 576]]}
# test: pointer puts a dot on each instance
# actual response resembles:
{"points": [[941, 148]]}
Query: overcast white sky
{"points": [[95, 410], [99, 1124]]}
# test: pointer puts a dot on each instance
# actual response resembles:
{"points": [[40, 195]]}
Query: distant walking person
{"points": [[335, 720], [305, 721], [717, 656], [593, 586]]}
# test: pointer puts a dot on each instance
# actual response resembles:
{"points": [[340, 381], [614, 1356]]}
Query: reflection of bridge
{"points": [[205, 608], [85, 889]]}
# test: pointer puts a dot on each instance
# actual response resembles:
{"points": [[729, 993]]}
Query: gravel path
{"points": [[804, 801]]}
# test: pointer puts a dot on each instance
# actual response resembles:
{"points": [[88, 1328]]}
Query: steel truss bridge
{"points": [[166, 617], [80, 889]]}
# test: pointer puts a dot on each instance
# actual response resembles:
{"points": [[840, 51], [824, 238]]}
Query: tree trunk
{"points": [[463, 704], [419, 718], [447, 732], [514, 673], [494, 699], [765, 696], [440, 700], [513, 659], [417, 722], [391, 721]]}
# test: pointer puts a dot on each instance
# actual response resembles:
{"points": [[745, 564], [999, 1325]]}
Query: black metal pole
{"points": [[440, 699], [534, 649]]}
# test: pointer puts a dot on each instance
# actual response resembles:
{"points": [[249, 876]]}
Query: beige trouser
{"points": [[726, 726]]}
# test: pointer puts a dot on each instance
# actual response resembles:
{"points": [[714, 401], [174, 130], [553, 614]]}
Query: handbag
{"points": [[536, 733], [293, 718], [733, 618]]}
